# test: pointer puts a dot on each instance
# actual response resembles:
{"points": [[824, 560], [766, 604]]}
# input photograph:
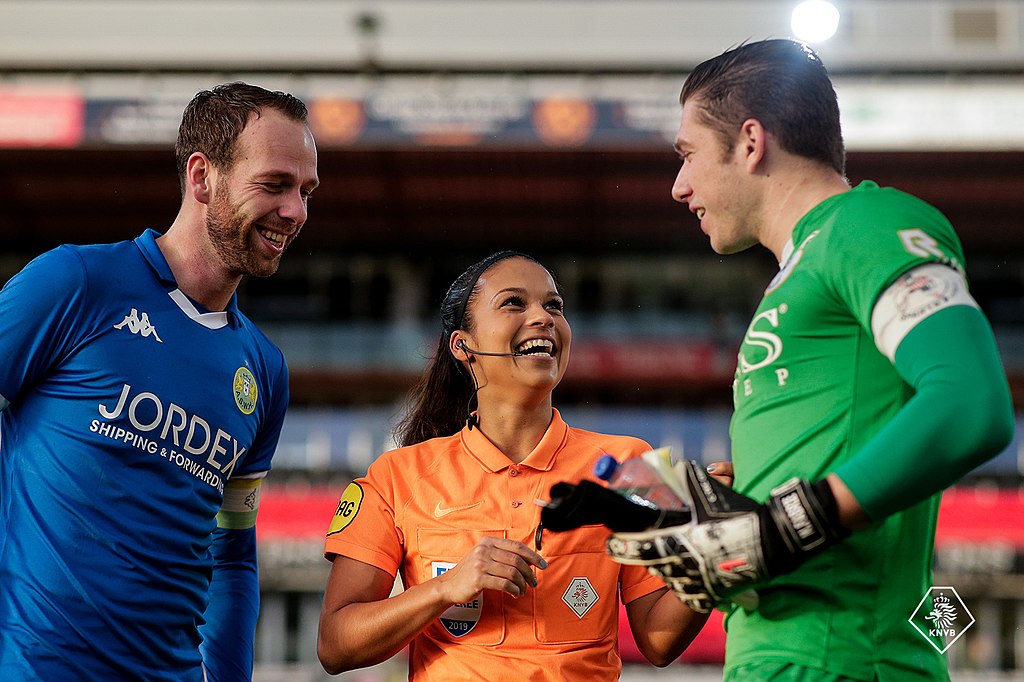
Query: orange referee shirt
{"points": [[420, 509]]}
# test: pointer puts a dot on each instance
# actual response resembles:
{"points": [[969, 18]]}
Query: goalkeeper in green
{"points": [[867, 382]]}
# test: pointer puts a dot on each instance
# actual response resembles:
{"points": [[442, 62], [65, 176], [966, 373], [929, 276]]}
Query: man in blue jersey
{"points": [[139, 410], [867, 382]]}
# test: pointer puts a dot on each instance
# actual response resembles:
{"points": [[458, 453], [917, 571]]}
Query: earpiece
{"points": [[460, 344]]}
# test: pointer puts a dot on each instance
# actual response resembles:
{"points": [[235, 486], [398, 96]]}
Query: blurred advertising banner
{"points": [[40, 117], [468, 119], [492, 118], [647, 360], [575, 111], [137, 122], [418, 119]]}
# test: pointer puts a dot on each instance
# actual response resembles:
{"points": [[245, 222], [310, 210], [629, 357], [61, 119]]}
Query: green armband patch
{"points": [[241, 502]]}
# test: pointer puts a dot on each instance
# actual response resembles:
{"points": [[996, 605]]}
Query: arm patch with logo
{"points": [[348, 507], [241, 502], [913, 297]]}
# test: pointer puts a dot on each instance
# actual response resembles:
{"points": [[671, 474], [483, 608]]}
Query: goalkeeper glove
{"points": [[733, 543], [587, 502]]}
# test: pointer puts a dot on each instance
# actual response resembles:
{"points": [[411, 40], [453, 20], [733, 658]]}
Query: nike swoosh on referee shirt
{"points": [[440, 511]]}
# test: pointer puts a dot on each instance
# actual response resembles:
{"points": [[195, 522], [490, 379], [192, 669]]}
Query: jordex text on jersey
{"points": [[207, 453]]}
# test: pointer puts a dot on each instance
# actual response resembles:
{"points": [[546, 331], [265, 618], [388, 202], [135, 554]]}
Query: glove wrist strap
{"points": [[803, 519]]}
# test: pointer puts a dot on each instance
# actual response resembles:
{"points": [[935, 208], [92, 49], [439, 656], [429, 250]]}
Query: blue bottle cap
{"points": [[605, 467]]}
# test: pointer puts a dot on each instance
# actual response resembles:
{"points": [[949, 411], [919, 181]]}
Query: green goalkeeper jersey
{"points": [[811, 389]]}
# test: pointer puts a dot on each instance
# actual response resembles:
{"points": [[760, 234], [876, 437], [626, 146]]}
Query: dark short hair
{"points": [[463, 289], [215, 118], [780, 82]]}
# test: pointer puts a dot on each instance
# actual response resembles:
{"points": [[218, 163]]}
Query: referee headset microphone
{"points": [[462, 344], [473, 418]]}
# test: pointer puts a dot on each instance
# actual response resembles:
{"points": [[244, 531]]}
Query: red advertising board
{"points": [[966, 515], [650, 360], [41, 117]]}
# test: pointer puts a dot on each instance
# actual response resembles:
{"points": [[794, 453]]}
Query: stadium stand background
{"points": [[450, 129]]}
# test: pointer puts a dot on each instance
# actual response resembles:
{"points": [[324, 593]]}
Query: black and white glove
{"points": [[732, 543]]}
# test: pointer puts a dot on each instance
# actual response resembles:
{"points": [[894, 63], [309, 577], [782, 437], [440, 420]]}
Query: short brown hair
{"points": [[215, 118], [783, 84]]}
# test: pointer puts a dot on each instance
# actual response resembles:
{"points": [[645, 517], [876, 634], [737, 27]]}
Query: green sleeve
{"points": [[960, 416]]}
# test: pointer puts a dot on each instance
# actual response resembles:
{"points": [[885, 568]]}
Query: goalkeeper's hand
{"points": [[732, 543]]}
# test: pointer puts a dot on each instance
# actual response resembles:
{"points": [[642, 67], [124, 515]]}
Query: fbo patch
{"points": [[458, 619], [348, 507]]}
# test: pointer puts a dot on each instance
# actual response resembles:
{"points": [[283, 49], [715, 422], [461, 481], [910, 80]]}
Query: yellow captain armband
{"points": [[241, 502]]}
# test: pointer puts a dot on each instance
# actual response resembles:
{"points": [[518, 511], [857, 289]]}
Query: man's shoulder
{"points": [[872, 219], [96, 262], [71, 265], [884, 207], [98, 252], [268, 345]]}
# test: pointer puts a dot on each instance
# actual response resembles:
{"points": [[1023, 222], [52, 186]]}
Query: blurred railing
{"points": [[328, 442], [688, 356], [395, 345]]}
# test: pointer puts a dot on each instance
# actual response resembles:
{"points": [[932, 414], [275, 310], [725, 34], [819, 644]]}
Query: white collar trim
{"points": [[787, 251], [208, 320]]}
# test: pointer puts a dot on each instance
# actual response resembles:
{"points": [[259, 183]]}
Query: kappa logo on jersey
{"points": [[348, 507], [138, 325], [458, 619], [580, 596], [244, 387]]}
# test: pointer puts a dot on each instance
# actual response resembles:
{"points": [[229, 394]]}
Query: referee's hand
{"points": [[492, 564]]}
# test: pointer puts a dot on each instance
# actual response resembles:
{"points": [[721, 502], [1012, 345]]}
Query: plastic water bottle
{"points": [[639, 480]]}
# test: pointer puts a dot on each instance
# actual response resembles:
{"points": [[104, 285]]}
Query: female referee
{"points": [[486, 595]]}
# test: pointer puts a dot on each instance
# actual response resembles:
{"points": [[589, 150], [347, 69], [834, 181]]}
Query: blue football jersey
{"points": [[125, 408]]}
